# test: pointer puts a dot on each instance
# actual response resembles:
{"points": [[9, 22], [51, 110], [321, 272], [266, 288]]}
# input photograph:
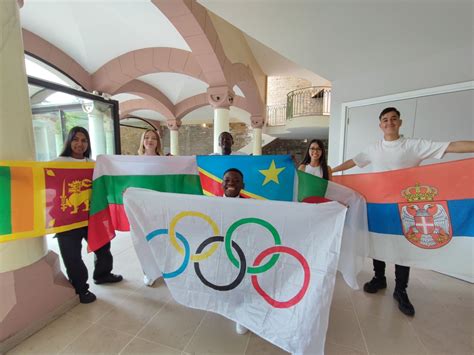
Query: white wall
{"points": [[446, 68], [366, 48]]}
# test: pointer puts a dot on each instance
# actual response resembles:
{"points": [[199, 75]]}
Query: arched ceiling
{"points": [[148, 114], [164, 54], [125, 97], [141, 55], [205, 114], [94, 32], [177, 87]]}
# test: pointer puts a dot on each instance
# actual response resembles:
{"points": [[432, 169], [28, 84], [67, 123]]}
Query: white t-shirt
{"points": [[401, 153], [316, 170], [71, 159]]}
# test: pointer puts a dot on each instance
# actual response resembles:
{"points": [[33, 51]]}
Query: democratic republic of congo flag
{"points": [[115, 173], [38, 198], [422, 217], [269, 177]]}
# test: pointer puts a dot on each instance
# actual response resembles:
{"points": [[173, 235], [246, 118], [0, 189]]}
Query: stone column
{"points": [[257, 125], [220, 98], [173, 126], [95, 112], [32, 288]]}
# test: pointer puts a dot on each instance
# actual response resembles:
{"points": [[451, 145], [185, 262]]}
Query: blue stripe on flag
{"points": [[462, 217], [384, 218]]}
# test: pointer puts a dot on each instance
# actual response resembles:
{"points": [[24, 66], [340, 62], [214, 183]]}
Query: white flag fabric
{"points": [[268, 265]]}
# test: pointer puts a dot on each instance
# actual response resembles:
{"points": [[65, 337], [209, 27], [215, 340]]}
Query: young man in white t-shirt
{"points": [[391, 153]]}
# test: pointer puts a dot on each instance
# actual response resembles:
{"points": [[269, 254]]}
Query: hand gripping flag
{"points": [[273, 272]]}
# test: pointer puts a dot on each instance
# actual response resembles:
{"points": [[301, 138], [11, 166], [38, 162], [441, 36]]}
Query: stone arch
{"points": [[129, 106], [151, 94], [193, 103], [42, 49], [242, 76], [194, 24], [129, 66]]}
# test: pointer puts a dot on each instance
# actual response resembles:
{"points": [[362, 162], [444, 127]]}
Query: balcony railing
{"points": [[276, 115], [312, 101]]}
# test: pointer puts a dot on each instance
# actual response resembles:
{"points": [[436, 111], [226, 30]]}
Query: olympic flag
{"points": [[269, 265]]}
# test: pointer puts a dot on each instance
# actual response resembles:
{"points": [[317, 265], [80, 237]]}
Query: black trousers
{"points": [[70, 246], [402, 273]]}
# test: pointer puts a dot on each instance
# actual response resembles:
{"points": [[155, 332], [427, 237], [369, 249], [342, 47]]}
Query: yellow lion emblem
{"points": [[79, 194]]}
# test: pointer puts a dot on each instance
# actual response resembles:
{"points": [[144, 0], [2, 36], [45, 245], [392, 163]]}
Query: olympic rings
{"points": [[180, 270], [294, 300], [241, 263], [239, 277], [172, 233], [276, 238]]}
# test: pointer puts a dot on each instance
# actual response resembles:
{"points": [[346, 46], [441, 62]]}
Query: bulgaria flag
{"points": [[115, 173], [268, 265], [422, 217]]}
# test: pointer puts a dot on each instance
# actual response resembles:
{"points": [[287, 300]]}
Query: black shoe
{"points": [[404, 304], [109, 279], [87, 297], [375, 284]]}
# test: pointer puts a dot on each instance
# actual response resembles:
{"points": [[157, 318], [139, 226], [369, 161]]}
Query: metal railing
{"points": [[311, 101], [276, 115]]}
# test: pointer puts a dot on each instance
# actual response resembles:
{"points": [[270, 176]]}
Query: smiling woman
{"points": [[315, 160], [150, 143], [77, 148]]}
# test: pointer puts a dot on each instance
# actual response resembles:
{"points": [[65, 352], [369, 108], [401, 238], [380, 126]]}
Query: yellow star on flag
{"points": [[271, 174]]}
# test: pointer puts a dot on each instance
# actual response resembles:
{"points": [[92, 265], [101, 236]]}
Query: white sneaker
{"points": [[240, 329], [148, 281]]}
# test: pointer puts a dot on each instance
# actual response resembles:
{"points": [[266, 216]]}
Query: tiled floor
{"points": [[130, 318]]}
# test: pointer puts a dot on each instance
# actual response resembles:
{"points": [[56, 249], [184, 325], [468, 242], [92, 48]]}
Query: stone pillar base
{"points": [[31, 297]]}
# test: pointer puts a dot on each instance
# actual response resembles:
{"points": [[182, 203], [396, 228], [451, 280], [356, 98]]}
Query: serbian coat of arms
{"points": [[425, 222]]}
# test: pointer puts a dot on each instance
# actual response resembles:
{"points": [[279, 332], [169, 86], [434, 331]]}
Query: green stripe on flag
{"points": [[310, 185], [5, 201], [109, 189]]}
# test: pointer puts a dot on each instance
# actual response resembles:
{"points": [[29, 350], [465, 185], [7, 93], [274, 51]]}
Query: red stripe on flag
{"points": [[119, 217], [210, 185], [103, 224], [316, 199], [452, 180], [101, 230]]}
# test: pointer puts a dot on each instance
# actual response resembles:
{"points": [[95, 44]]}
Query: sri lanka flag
{"points": [[421, 216], [38, 198]]}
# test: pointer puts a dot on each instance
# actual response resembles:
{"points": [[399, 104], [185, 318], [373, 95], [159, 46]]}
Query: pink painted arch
{"points": [[129, 66]]}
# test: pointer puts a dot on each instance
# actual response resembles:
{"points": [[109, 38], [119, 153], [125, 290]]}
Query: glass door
{"points": [[56, 109]]}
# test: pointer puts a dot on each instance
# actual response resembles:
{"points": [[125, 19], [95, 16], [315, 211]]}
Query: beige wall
{"points": [[193, 139], [279, 86], [238, 51]]}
